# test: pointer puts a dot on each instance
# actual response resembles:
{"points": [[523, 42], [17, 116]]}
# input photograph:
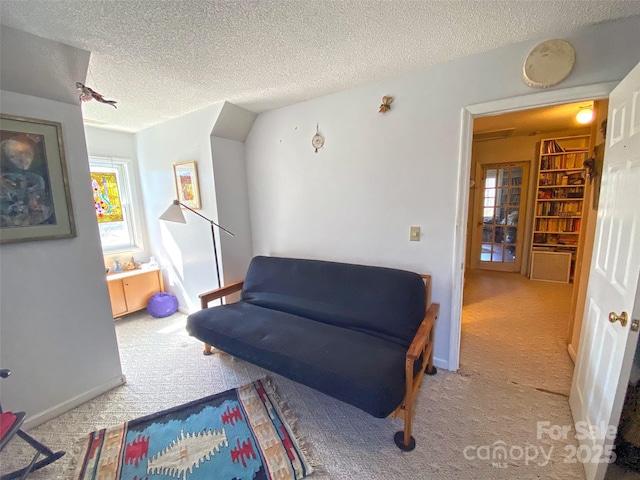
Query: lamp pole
{"points": [[213, 238], [174, 214]]}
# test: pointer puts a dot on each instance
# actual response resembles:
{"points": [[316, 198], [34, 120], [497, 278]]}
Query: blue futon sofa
{"points": [[360, 334]]}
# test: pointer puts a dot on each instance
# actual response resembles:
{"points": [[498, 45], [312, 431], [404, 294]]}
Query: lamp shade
{"points": [[173, 213]]}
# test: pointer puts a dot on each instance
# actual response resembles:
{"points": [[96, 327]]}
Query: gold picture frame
{"points": [[35, 199], [186, 181]]}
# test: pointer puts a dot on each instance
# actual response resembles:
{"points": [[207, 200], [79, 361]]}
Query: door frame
{"points": [[468, 113]]}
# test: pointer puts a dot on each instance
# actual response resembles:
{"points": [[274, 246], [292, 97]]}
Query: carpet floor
{"points": [[514, 373], [514, 329]]}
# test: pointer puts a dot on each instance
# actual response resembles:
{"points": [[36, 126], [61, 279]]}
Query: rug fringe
{"points": [[79, 445], [317, 469]]}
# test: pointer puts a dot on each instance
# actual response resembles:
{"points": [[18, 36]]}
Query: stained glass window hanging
{"points": [[106, 197]]}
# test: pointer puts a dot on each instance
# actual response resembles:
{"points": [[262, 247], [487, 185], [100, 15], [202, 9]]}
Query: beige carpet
{"points": [[515, 329], [495, 400]]}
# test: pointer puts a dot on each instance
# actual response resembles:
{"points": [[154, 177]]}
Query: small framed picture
{"points": [[187, 190], [35, 200]]}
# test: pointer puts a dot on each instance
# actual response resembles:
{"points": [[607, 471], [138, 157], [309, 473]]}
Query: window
{"points": [[115, 204]]}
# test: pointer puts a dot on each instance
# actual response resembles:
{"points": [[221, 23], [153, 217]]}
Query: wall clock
{"points": [[548, 64], [318, 140]]}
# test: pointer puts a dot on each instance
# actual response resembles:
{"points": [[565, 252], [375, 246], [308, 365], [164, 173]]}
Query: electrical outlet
{"points": [[414, 234]]}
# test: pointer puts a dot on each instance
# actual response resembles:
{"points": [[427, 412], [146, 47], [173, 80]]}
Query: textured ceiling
{"points": [[162, 59]]}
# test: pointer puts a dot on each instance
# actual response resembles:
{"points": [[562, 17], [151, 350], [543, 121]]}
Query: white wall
{"points": [[56, 332], [185, 251], [39, 67], [228, 155], [233, 207], [110, 143], [378, 175]]}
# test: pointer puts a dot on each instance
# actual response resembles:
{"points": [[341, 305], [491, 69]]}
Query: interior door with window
{"points": [[612, 307], [500, 200]]}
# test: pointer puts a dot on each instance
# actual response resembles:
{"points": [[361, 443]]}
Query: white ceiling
{"points": [[162, 59]]}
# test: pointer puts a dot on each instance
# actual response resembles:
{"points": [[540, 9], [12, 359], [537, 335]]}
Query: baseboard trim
{"points": [[572, 353], [440, 363], [33, 421], [184, 310]]}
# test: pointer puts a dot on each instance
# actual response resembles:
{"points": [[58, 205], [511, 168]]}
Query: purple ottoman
{"points": [[162, 304]]}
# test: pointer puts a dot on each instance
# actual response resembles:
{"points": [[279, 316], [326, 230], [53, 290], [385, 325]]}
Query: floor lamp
{"points": [[174, 214]]}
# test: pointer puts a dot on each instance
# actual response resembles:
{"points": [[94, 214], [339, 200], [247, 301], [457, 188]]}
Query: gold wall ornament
{"points": [[386, 104]]}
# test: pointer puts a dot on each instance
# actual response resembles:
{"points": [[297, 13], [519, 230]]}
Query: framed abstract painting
{"points": [[187, 190], [35, 200]]}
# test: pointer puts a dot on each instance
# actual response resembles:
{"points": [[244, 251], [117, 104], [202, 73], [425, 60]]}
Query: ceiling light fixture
{"points": [[585, 115]]}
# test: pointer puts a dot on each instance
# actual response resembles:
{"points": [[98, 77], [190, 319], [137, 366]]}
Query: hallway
{"points": [[514, 329]]}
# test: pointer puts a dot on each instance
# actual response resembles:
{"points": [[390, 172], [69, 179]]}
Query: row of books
{"points": [[567, 161], [552, 146], [557, 224], [560, 209], [560, 194], [560, 178]]}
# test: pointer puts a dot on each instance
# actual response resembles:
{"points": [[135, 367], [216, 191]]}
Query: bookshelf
{"points": [[558, 207]]}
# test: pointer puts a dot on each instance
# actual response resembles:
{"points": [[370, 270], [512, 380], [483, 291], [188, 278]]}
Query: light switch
{"points": [[414, 234]]}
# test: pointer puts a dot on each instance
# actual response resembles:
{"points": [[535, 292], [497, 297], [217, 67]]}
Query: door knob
{"points": [[622, 318]]}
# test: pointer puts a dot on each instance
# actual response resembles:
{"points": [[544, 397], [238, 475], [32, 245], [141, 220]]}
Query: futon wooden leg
{"points": [[403, 439], [431, 370], [407, 428], [207, 349], [400, 438]]}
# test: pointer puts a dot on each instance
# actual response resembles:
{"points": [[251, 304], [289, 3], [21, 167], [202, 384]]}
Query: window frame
{"points": [[127, 176]]}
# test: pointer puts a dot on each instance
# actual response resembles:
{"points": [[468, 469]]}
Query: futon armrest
{"points": [[426, 327], [212, 295]]}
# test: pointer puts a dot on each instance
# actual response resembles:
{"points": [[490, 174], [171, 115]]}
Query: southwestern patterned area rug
{"points": [[240, 434]]}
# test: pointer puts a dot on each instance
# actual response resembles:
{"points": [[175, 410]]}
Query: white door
{"points": [[607, 348]]}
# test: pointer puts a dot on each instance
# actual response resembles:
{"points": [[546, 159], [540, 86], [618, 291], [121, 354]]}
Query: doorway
{"points": [[463, 229], [497, 239], [622, 100], [503, 310]]}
